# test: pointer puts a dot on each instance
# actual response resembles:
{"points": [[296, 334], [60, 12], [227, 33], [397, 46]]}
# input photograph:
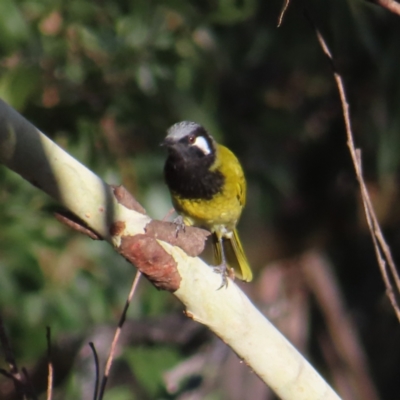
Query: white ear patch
{"points": [[202, 144]]}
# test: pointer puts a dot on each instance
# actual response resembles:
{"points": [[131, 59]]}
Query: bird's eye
{"points": [[191, 139], [200, 142]]}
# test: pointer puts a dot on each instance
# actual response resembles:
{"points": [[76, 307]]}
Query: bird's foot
{"points": [[180, 226], [225, 273]]}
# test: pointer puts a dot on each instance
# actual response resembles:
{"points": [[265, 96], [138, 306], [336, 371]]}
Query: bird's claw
{"points": [[180, 226], [225, 273]]}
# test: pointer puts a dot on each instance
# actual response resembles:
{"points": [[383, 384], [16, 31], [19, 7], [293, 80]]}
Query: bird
{"points": [[208, 189]]}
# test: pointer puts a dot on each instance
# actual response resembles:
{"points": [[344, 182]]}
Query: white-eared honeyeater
{"points": [[208, 189]]}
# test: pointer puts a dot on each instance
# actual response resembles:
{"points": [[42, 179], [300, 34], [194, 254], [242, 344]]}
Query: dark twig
{"points": [[8, 375], [96, 363], [382, 250], [10, 360], [117, 334], [8, 354], [50, 373], [72, 221], [29, 389]]}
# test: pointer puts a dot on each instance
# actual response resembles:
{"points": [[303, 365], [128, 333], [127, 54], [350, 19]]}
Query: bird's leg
{"points": [[180, 225], [178, 221], [222, 268]]}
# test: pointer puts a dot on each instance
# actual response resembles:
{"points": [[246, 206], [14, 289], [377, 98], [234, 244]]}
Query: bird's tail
{"points": [[234, 255]]}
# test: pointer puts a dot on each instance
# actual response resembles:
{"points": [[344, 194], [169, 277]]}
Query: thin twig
{"points": [[96, 363], [30, 390], [50, 372], [117, 334], [379, 242], [8, 354], [283, 11], [378, 253], [8, 375]]}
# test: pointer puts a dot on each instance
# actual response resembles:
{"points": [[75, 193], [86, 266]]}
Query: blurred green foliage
{"points": [[105, 79], [148, 365]]}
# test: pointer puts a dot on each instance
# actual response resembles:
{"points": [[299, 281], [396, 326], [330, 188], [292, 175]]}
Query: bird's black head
{"points": [[192, 153], [190, 143]]}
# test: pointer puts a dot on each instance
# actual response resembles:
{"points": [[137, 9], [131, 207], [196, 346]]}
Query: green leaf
{"points": [[18, 85], [119, 393], [13, 28]]}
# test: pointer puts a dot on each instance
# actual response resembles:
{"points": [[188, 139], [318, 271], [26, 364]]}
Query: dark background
{"points": [[105, 79]]}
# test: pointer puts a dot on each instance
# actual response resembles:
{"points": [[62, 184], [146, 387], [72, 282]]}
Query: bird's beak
{"points": [[167, 142]]}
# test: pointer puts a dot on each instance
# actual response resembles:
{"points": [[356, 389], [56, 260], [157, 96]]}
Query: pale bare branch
{"points": [[228, 312]]}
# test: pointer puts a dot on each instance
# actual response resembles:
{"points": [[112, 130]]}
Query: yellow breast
{"points": [[225, 207]]}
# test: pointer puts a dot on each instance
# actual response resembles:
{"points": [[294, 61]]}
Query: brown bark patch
{"points": [[117, 228], [75, 223], [191, 240], [152, 260]]}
